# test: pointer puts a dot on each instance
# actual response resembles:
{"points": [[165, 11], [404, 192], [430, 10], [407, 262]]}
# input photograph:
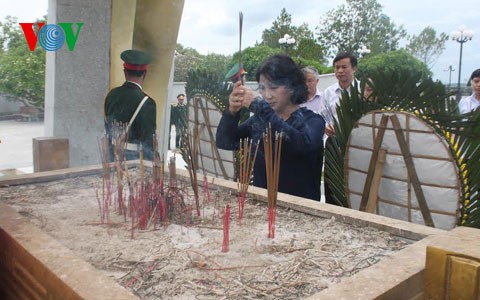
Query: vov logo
{"points": [[51, 37]]}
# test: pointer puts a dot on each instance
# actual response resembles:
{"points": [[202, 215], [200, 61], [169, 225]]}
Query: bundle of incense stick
{"points": [[107, 183], [158, 181], [172, 171], [273, 149], [158, 167], [189, 149], [226, 229], [206, 189], [119, 140], [142, 167], [247, 160]]}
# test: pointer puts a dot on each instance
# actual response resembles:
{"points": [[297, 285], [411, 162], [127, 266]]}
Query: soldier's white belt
{"points": [[131, 147]]}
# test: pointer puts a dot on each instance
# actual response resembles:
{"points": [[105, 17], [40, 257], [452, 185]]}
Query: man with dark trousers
{"points": [[130, 106], [178, 118]]}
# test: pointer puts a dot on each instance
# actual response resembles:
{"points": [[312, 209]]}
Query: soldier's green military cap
{"points": [[235, 72], [135, 60]]}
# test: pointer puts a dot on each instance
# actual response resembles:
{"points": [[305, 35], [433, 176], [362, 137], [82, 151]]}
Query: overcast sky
{"points": [[211, 26]]}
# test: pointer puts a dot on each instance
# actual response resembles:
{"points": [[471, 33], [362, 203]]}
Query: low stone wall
{"points": [[8, 107]]}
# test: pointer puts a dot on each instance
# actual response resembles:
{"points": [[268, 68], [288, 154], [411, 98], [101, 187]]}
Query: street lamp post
{"points": [[461, 36], [286, 41], [450, 69]]}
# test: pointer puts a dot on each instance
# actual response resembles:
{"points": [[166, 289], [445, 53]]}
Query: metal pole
{"points": [[459, 94], [450, 77]]}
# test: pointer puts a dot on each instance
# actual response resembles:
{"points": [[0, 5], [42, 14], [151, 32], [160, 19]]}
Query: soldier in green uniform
{"points": [[178, 117], [128, 104]]}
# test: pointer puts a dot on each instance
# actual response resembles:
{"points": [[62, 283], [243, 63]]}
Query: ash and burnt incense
{"points": [[140, 197], [183, 259]]}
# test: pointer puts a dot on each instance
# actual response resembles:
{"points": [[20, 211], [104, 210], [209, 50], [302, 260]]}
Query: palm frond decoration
{"points": [[409, 92], [212, 87], [209, 85]]}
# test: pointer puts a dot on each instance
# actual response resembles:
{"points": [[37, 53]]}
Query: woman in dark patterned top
{"points": [[282, 88]]}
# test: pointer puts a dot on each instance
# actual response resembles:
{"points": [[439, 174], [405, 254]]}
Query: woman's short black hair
{"points": [[281, 70]]}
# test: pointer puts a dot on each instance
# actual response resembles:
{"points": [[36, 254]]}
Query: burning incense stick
{"points": [[107, 183], [119, 141], [272, 147], [246, 168], [142, 167], [158, 167], [226, 229], [189, 149], [206, 189], [158, 180]]}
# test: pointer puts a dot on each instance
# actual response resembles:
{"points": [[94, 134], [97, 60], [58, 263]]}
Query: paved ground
{"points": [[16, 151], [16, 145]]}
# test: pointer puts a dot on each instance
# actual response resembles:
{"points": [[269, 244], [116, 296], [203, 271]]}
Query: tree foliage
{"points": [[399, 61], [185, 60], [252, 57], [427, 46], [188, 59], [311, 50], [283, 25], [214, 63], [355, 24], [22, 72], [305, 44], [321, 68]]}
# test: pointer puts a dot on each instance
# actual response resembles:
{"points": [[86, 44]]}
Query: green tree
{"points": [[188, 59], [311, 50], [399, 61], [213, 63], [321, 68], [185, 60], [22, 72], [427, 46], [283, 25], [252, 57], [305, 45], [355, 24]]}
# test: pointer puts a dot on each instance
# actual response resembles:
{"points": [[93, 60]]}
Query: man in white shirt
{"points": [[314, 94], [471, 102], [345, 65]]}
